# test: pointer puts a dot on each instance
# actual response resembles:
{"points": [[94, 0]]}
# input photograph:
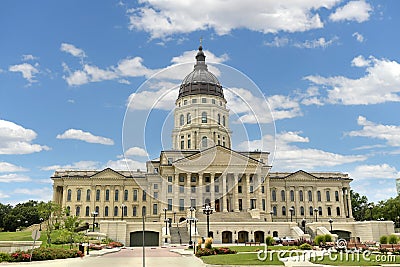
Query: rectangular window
{"points": [[194, 101], [207, 179], [216, 189], [251, 189], [239, 189], [193, 189], [107, 195], [181, 179], [135, 193], [155, 209], [319, 196], [155, 170], [207, 188], [181, 204], [156, 195], [204, 100], [328, 196], [155, 186], [134, 211], [189, 143], [193, 179], [337, 195], [301, 195], [263, 204], [97, 195], [116, 195], [309, 195], [262, 189], [169, 204], [169, 179], [182, 144], [170, 188], [126, 195], [144, 195], [181, 189], [88, 195], [193, 202], [240, 204], [291, 195]]}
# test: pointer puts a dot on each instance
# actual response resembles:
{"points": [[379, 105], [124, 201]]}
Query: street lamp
{"points": [[94, 214], [316, 214], [207, 211], [330, 222], [370, 206], [272, 215], [291, 214], [122, 211], [166, 221], [40, 224], [190, 226]]}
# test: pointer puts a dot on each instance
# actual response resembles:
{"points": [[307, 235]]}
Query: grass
{"points": [[239, 259], [257, 248], [357, 260]]}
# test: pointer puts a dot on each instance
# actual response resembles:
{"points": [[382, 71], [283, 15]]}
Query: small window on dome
{"points": [[204, 100], [185, 102], [194, 101], [213, 101], [220, 103]]}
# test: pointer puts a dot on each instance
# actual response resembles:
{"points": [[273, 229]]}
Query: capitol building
{"points": [[202, 170]]}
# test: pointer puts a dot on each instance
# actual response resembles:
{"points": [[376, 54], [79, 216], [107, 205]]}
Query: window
{"points": [[155, 170], [97, 209], [213, 101], [189, 143], [87, 211], [135, 193], [240, 204], [204, 117], [319, 196], [170, 188], [106, 211], [204, 142], [116, 211], [309, 195], [311, 211], [78, 211], [262, 189], [144, 211], [155, 186], [337, 211], [181, 120], [216, 188], [181, 204], [169, 204], [291, 195], [204, 100], [239, 189], [283, 211], [181, 189], [193, 189], [223, 120], [329, 211], [126, 195], [98, 195], [301, 195], [116, 195], [274, 210], [273, 195], [193, 202], [319, 211], [69, 193], [263, 204], [144, 196], [155, 209], [68, 212], [283, 195], [193, 178], [156, 195], [336, 195], [181, 179], [188, 118], [185, 102], [170, 161], [78, 195], [88, 195], [302, 211], [194, 101], [251, 189], [328, 196], [219, 119], [108, 195], [294, 210], [125, 210], [169, 179], [207, 188], [134, 211]]}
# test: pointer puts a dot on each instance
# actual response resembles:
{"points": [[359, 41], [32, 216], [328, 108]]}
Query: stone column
{"points": [[235, 193], [212, 190], [342, 203], [175, 190], [247, 192], [349, 203], [188, 190], [259, 193], [199, 191], [224, 193]]}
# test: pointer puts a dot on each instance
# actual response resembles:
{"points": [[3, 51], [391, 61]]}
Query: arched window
{"points": [[106, 211], [126, 195], [291, 195], [78, 195], [302, 211], [223, 120], [69, 194], [329, 211], [337, 211], [87, 211], [134, 211], [319, 211], [273, 195], [309, 195], [98, 195], [189, 118], [204, 142], [97, 209], [88, 195], [116, 196], [78, 211], [108, 195], [336, 195], [116, 211], [181, 120], [283, 211], [328, 196], [204, 117], [311, 211], [219, 119], [125, 210], [283, 198], [301, 195], [144, 211], [68, 212], [274, 210]]}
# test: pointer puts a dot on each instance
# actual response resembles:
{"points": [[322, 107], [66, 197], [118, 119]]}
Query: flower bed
{"points": [[41, 254], [214, 251]]}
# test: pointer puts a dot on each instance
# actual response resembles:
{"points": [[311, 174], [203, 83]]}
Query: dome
{"points": [[200, 80]]}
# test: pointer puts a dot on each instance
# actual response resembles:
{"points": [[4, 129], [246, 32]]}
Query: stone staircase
{"points": [[242, 216], [179, 235]]}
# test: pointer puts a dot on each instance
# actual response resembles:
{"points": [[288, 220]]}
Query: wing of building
{"points": [[202, 170]]}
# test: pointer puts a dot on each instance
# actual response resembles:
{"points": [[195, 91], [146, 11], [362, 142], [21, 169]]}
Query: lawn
{"points": [[257, 248], [240, 259], [358, 259]]}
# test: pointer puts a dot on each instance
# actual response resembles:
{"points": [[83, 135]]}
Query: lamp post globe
{"points": [[330, 222], [208, 211], [291, 214], [316, 214], [272, 215]]}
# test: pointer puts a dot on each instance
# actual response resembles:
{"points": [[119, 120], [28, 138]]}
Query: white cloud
{"points": [[27, 70], [80, 165], [3, 195], [29, 57], [135, 151], [14, 178], [165, 18], [289, 157], [126, 165], [360, 61], [389, 133], [383, 171], [40, 194], [73, 50], [85, 136], [316, 43], [359, 37], [354, 10], [380, 84], [278, 42], [8, 167], [15, 139]]}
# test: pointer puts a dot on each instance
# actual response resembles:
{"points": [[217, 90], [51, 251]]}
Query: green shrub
{"points": [[214, 251], [319, 240], [328, 238], [383, 239], [392, 239], [204, 252], [208, 243], [269, 240], [305, 246], [5, 257]]}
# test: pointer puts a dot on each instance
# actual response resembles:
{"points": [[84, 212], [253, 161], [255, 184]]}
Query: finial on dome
{"points": [[200, 55]]}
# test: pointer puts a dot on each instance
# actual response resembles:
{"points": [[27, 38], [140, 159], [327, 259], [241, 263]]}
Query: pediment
{"points": [[301, 176], [108, 173]]}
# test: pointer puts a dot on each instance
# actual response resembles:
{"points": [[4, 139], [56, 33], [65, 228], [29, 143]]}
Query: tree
{"points": [[359, 206], [4, 210], [71, 223], [50, 212]]}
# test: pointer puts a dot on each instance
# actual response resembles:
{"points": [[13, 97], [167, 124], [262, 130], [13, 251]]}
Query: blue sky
{"points": [[329, 69]]}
